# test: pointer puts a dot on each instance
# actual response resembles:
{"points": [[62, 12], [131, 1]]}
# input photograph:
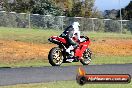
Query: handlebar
{"points": [[84, 38]]}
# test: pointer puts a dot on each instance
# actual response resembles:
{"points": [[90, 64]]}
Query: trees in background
{"points": [[127, 15], [126, 12], [45, 7], [110, 14], [65, 5], [55, 7], [1, 2], [32, 6], [115, 14], [73, 8], [18, 5]]}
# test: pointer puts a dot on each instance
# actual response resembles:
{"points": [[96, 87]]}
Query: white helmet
{"points": [[76, 26]]}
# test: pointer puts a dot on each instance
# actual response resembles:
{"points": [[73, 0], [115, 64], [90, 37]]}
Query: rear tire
{"points": [[86, 57], [55, 56]]}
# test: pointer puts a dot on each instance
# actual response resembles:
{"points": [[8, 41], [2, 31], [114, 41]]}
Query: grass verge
{"points": [[27, 35], [96, 60], [41, 36], [69, 84], [111, 59]]}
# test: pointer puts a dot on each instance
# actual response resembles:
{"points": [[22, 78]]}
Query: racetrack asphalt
{"points": [[25, 75]]}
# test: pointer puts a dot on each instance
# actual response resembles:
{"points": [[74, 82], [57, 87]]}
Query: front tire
{"points": [[55, 56], [86, 57]]}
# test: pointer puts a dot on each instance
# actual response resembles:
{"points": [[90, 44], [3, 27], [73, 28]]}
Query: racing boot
{"points": [[71, 54], [70, 58]]}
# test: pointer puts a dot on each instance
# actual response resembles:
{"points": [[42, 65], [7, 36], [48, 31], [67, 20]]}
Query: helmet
{"points": [[76, 26], [76, 23]]}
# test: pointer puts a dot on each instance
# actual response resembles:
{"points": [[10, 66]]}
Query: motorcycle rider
{"points": [[68, 34]]}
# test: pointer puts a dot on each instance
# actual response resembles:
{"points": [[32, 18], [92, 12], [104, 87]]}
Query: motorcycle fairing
{"points": [[82, 47], [56, 39]]}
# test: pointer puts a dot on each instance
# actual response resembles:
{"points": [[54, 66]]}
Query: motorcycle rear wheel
{"points": [[55, 56], [86, 57]]}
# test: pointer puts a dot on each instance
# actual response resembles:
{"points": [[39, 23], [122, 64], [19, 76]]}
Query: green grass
{"points": [[27, 35], [95, 60], [69, 84], [26, 63], [41, 36], [111, 59], [109, 35]]}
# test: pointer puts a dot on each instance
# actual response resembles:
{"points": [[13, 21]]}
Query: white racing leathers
{"points": [[76, 32]]}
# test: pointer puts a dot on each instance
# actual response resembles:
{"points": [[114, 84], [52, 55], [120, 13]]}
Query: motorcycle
{"points": [[58, 55]]}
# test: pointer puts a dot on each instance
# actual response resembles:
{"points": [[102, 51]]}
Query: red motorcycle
{"points": [[58, 55]]}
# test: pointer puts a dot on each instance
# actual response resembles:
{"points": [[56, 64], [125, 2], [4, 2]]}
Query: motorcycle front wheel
{"points": [[86, 59], [55, 56]]}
